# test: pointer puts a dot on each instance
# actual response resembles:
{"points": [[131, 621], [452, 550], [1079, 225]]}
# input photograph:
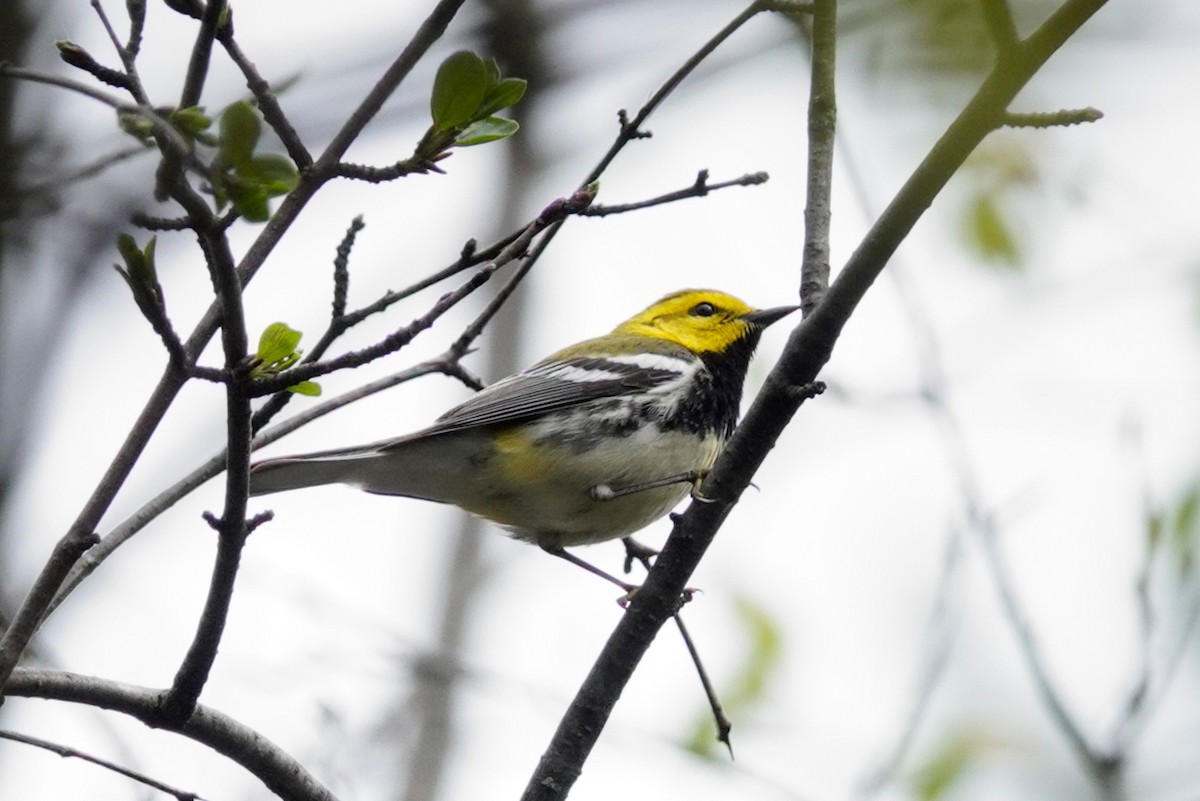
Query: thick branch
{"points": [[283, 776]]}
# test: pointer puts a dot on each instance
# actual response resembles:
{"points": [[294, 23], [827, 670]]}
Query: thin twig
{"points": [[198, 65], [36, 76], [189, 681], [1100, 766], [341, 268], [822, 126], [699, 188], [268, 103], [551, 215], [149, 511], [632, 128], [57, 183], [67, 752]]}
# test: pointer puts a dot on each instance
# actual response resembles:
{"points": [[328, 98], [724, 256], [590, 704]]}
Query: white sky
{"points": [[843, 543]]}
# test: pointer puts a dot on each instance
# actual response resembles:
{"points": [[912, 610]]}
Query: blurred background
{"points": [[966, 571]]}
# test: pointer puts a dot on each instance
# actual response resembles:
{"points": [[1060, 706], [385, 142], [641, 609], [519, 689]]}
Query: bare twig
{"points": [[189, 681], [197, 73], [699, 188], [416, 164], [67, 752], [553, 214], [36, 76], [341, 268], [822, 125], [632, 128], [212, 468], [268, 103]]}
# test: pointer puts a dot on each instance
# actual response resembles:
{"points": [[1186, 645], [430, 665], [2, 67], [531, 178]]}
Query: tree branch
{"points": [[822, 125], [81, 535], [283, 776], [809, 348], [66, 752]]}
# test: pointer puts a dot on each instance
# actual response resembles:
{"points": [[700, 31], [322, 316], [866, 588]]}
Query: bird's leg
{"points": [[561, 553], [607, 492]]}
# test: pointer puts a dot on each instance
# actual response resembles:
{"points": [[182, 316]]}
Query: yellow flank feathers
{"points": [[675, 318]]}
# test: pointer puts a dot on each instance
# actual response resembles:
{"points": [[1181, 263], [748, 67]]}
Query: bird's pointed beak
{"points": [[764, 317]]}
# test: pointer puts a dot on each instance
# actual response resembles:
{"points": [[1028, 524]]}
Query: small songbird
{"points": [[593, 443]]}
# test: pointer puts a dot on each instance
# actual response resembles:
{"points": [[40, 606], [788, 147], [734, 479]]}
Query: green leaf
{"points": [[240, 130], [486, 130], [191, 120], [249, 199], [1154, 529], [989, 234], [492, 72], [502, 95], [1184, 530], [277, 345], [139, 262], [134, 124], [274, 173], [310, 388], [945, 767], [459, 88]]}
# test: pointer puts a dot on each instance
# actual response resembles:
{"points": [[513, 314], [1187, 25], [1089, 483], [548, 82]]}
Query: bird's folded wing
{"points": [[560, 384]]}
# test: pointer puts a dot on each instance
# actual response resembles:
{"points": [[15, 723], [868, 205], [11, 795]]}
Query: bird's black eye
{"points": [[703, 310]]}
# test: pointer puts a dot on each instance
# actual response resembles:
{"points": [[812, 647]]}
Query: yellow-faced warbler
{"points": [[590, 444]]}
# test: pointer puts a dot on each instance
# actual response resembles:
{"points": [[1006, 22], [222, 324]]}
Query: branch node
{"points": [[630, 130], [258, 520], [807, 391]]}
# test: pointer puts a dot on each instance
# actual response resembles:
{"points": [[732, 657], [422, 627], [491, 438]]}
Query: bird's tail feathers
{"points": [[432, 468]]}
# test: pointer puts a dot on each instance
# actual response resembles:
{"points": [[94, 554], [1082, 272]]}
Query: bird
{"points": [[590, 444]]}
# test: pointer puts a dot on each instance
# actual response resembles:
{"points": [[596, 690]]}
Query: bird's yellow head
{"points": [[702, 320]]}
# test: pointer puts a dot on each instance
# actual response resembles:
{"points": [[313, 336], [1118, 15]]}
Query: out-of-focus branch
{"points": [[66, 752], [150, 511], [822, 127]]}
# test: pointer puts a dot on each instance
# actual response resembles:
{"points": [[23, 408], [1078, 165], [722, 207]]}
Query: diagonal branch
{"points": [[809, 348], [66, 752]]}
